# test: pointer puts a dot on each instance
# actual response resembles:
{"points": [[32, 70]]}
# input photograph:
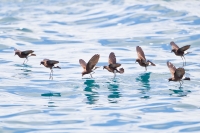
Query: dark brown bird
{"points": [[180, 51], [50, 64], [24, 54], [177, 74], [90, 66], [141, 58], [112, 67]]}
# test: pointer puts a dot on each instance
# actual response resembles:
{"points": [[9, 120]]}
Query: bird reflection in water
{"points": [[144, 79], [115, 94], [24, 72], [90, 94]]}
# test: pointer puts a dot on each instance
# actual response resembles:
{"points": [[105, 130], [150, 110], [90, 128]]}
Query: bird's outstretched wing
{"points": [[140, 53], [172, 68], [184, 48], [179, 72], [112, 58], [92, 62], [82, 63], [174, 46]]}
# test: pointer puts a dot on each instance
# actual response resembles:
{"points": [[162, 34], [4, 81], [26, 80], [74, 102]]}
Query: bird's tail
{"points": [[150, 63], [186, 78], [187, 53], [32, 54], [121, 70], [57, 67]]}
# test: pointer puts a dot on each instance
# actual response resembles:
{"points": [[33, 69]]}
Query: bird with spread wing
{"points": [[180, 51], [141, 58], [113, 65], [90, 66]]}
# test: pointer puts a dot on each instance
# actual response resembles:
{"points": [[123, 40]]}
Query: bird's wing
{"points": [[174, 46], [92, 62], [150, 63], [112, 58], [179, 72], [172, 68], [115, 65], [52, 62], [27, 52], [82, 63], [184, 48], [140, 53]]}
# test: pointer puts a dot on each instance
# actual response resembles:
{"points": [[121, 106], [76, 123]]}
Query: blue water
{"points": [[136, 101]]}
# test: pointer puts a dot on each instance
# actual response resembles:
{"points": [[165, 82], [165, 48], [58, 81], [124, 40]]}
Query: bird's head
{"points": [[137, 60], [170, 79], [173, 50], [42, 62]]}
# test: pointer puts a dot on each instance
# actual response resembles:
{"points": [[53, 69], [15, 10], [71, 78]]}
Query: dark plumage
{"points": [[90, 66], [112, 67], [180, 51], [24, 54], [177, 74], [141, 58], [50, 64]]}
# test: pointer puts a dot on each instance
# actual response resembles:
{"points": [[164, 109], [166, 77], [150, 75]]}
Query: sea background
{"points": [[69, 30]]}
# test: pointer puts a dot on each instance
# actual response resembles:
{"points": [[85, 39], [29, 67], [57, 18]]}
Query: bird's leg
{"points": [[145, 68], [52, 74], [91, 75], [180, 83], [114, 73], [185, 60], [24, 61]]}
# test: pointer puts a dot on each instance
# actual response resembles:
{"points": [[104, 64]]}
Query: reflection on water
{"points": [[114, 92], [72, 29], [179, 92], [144, 81], [91, 94]]}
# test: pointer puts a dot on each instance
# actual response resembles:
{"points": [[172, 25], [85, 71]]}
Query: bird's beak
{"points": [[14, 54], [171, 51]]}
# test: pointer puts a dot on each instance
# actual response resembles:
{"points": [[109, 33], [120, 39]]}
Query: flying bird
{"points": [[177, 74], [141, 58], [180, 51], [112, 67], [24, 54], [50, 64], [90, 66]]}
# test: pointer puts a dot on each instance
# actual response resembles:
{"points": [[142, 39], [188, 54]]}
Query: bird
{"points": [[112, 67], [90, 66], [50, 64], [24, 54], [177, 74], [180, 51], [141, 58]]}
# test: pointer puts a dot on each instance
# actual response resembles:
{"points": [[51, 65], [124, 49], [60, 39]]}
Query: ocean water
{"points": [[69, 30]]}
